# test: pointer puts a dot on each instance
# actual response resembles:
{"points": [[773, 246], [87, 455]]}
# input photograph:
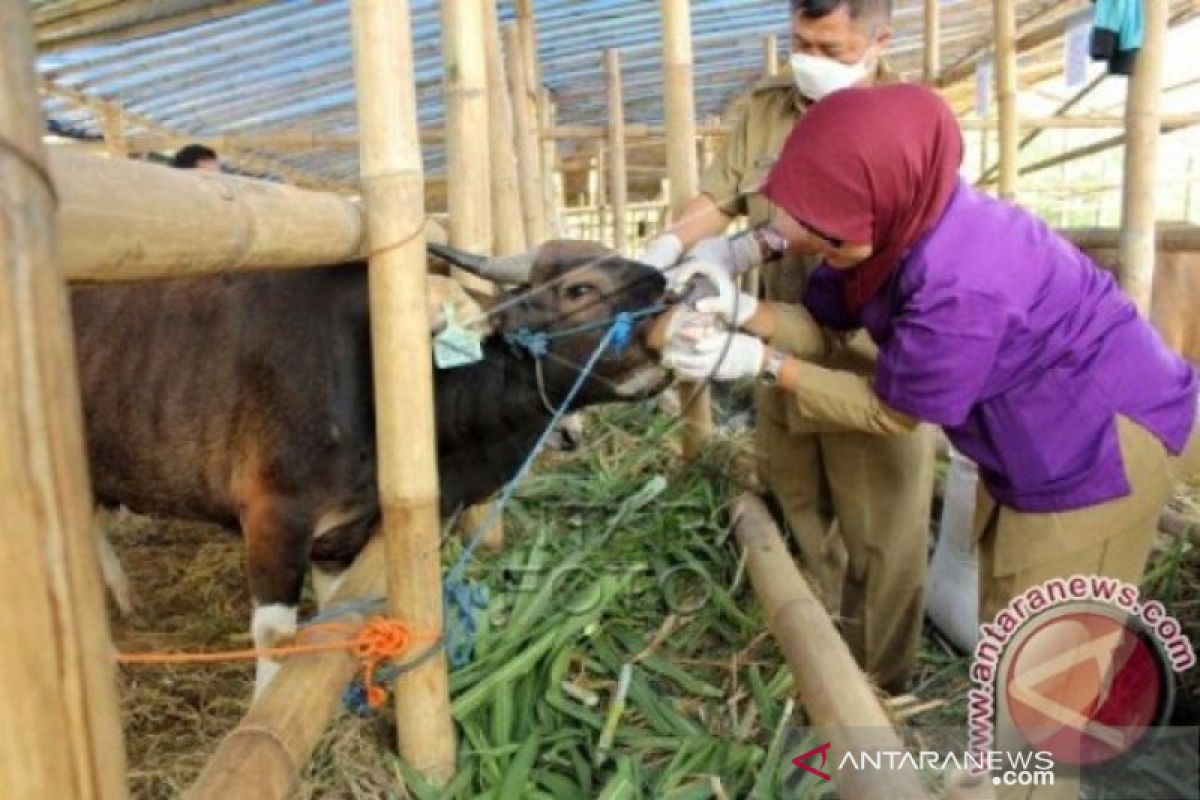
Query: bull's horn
{"points": [[502, 269]]}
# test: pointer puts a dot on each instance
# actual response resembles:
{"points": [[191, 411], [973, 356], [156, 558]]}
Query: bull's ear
{"points": [[491, 323]]}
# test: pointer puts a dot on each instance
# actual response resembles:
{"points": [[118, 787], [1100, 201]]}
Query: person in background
{"points": [[858, 504], [990, 325], [196, 156]]}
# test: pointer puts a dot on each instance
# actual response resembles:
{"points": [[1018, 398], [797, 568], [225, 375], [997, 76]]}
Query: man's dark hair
{"points": [[189, 156], [815, 9]]}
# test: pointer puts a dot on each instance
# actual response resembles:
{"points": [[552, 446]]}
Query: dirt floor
{"points": [[191, 594]]}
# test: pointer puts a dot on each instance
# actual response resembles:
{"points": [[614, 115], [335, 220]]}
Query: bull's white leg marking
{"points": [[272, 624], [325, 584], [114, 574]]}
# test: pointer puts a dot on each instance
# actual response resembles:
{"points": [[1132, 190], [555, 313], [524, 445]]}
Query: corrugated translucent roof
{"points": [[247, 66]]}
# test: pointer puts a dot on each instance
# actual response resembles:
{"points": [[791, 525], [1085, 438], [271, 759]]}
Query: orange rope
{"points": [[376, 641]]}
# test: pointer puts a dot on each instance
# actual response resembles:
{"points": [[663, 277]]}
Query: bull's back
{"points": [[192, 388]]}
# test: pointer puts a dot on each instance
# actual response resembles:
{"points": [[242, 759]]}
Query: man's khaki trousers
{"points": [[859, 507]]}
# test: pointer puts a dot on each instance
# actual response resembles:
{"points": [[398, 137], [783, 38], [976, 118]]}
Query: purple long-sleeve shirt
{"points": [[1012, 340]]}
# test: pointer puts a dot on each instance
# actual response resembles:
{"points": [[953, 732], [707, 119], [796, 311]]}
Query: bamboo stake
{"points": [[60, 731], [392, 181], [1005, 20], [770, 55], [527, 25], [933, 40], [468, 156], [829, 683], [1143, 126], [680, 117], [525, 125], [551, 196], [617, 177], [508, 226]]}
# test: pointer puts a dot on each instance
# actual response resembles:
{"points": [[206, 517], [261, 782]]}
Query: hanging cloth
{"points": [[1118, 31]]}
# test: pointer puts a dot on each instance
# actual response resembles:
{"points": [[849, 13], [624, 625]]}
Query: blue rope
{"points": [[462, 598], [537, 342]]}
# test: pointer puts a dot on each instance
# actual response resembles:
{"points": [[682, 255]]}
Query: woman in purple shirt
{"points": [[988, 324]]}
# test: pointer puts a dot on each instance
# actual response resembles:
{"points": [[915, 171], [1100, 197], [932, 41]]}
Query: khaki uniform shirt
{"points": [[733, 181]]}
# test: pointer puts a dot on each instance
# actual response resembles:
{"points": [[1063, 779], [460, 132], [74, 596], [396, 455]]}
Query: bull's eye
{"points": [[578, 291]]}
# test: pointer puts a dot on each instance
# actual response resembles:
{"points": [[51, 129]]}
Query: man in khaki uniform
{"points": [[869, 555]]}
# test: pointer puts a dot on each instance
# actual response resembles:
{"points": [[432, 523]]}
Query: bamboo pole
{"points": [[829, 683], [527, 25], [508, 228], [1143, 127], [60, 730], [123, 220], [392, 181], [525, 124], [1005, 19], [468, 167], [113, 122], [680, 117], [262, 758], [617, 177], [550, 187], [933, 40], [770, 55]]}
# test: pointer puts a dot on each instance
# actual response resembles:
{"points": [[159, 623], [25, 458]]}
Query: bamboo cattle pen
{"points": [[829, 683], [683, 174], [1143, 126], [1005, 21], [60, 730], [618, 194], [932, 40]]}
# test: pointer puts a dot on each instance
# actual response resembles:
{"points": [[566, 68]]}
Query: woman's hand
{"points": [[719, 355], [734, 307]]}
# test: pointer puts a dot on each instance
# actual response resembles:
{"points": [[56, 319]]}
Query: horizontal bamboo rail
{"points": [[1184, 239], [829, 683]]}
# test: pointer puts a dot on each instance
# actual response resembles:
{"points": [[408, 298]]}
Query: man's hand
{"points": [[721, 356]]}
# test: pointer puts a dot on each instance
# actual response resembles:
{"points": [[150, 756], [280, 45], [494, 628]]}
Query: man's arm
{"points": [[701, 219]]}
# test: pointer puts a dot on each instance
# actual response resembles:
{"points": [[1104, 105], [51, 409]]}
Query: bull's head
{"points": [[572, 291]]}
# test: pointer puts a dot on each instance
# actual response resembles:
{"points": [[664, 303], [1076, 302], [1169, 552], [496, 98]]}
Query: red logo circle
{"points": [[1085, 685]]}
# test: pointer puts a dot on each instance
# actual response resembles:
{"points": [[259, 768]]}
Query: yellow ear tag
{"points": [[456, 346]]}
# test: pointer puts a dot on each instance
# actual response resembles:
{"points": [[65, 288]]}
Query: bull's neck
{"points": [[489, 416]]}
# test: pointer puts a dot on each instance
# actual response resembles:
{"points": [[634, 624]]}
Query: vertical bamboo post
{"points": [[527, 27], [393, 191], [680, 113], [1142, 125], [598, 194], [1005, 15], [933, 41], [617, 178], [468, 168], [60, 731], [113, 124], [508, 224], [770, 55], [550, 178], [525, 124]]}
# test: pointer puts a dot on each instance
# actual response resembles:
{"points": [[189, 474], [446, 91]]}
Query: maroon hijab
{"points": [[874, 165]]}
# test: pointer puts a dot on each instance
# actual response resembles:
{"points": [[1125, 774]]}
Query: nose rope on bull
{"points": [[461, 598]]}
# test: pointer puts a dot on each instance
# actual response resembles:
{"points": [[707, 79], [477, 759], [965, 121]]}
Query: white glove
{"points": [[735, 307], [737, 254], [663, 252], [722, 356]]}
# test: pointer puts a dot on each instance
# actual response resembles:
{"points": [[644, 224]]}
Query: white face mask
{"points": [[817, 77]]}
